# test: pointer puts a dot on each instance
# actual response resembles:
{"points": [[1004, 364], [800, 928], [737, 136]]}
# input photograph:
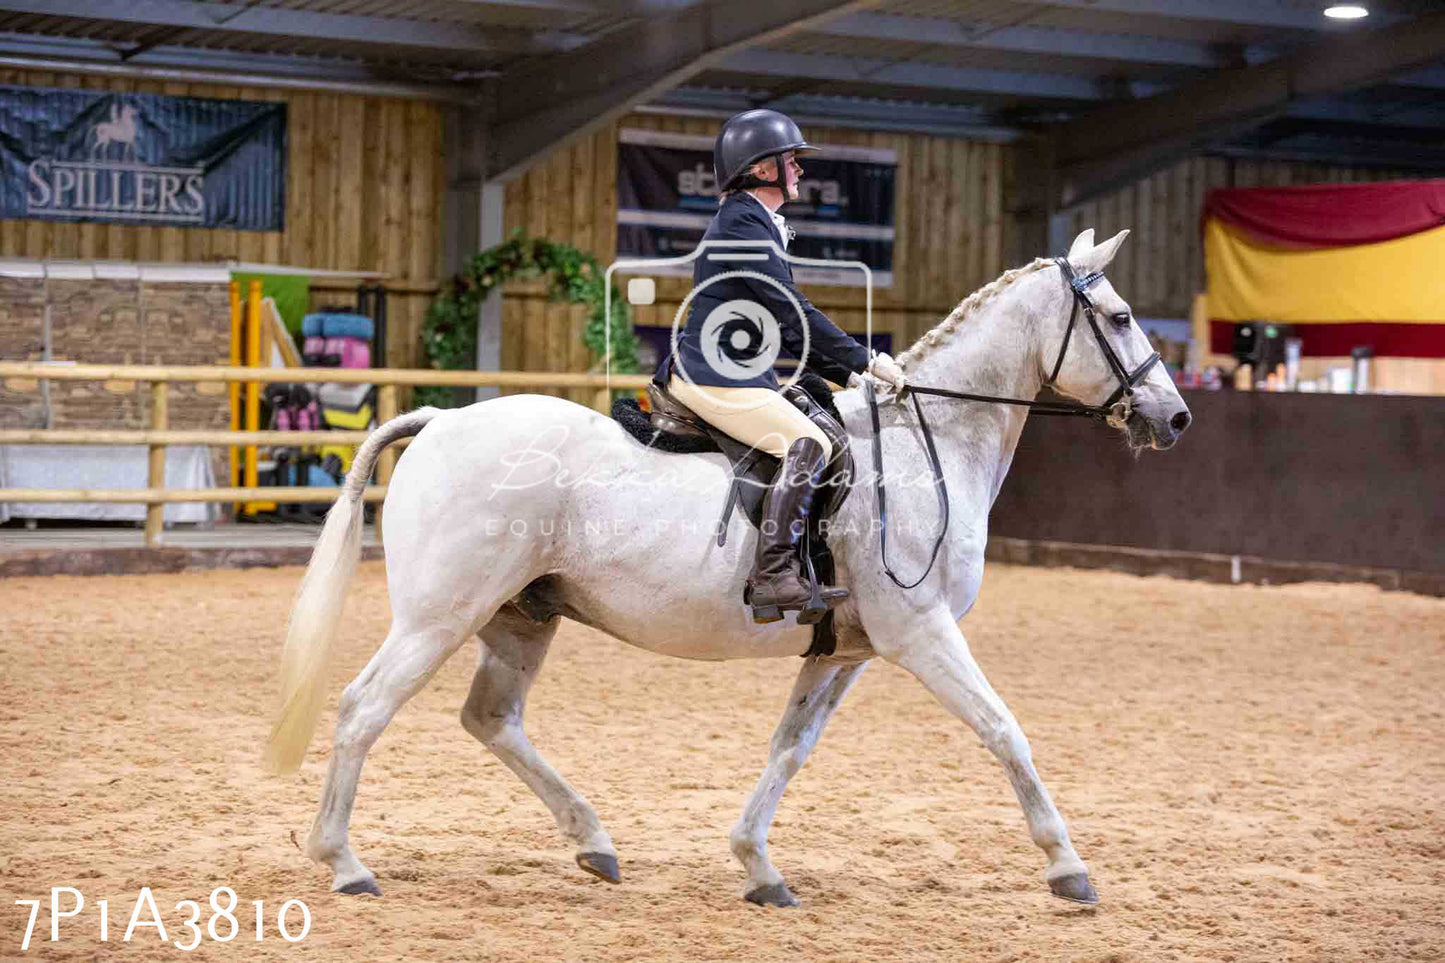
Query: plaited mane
{"points": [[920, 348]]}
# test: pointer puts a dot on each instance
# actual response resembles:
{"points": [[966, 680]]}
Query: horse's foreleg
{"points": [[820, 687], [940, 659], [512, 651], [405, 663]]}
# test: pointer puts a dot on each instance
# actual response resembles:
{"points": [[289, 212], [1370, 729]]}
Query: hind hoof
{"points": [[601, 865], [361, 887], [1075, 888], [776, 895]]}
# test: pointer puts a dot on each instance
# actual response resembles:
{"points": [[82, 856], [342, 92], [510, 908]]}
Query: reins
{"points": [[1121, 398]]}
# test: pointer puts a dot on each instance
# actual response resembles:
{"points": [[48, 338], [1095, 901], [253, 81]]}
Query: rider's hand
{"points": [[884, 368]]}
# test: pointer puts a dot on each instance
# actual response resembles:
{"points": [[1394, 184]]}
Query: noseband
{"points": [[1118, 406]]}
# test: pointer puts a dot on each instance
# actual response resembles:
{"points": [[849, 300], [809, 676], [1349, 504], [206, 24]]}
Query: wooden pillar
{"points": [[238, 334], [253, 388], [160, 420], [385, 411]]}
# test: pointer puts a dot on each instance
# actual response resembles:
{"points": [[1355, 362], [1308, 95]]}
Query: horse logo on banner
{"points": [[120, 129]]}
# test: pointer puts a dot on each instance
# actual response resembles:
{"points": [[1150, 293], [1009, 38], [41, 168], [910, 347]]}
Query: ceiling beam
{"points": [[546, 102], [1113, 145], [1044, 41], [941, 120], [1244, 13], [925, 77], [343, 28], [189, 65]]}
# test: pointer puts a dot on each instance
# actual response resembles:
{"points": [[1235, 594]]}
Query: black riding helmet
{"points": [[749, 137]]}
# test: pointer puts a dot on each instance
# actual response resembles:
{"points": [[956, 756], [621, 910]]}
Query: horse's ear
{"points": [[1098, 258], [1082, 244]]}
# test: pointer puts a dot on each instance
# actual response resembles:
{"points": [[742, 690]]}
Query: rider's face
{"points": [[792, 173]]}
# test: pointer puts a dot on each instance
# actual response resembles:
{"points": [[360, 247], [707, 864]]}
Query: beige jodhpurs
{"points": [[759, 417]]}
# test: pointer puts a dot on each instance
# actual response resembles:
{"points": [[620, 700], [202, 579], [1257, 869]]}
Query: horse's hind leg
{"points": [[404, 664], [820, 687], [512, 651]]}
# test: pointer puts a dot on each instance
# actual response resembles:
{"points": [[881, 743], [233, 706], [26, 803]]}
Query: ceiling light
{"points": [[1346, 11]]}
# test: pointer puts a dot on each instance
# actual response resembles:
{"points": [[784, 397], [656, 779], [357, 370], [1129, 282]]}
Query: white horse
{"points": [[535, 493]]}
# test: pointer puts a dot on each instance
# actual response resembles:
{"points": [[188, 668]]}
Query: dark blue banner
{"points": [[80, 155], [667, 195]]}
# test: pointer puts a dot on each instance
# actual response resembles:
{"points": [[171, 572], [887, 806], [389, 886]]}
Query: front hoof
{"points": [[777, 894], [601, 865], [1075, 887], [360, 887]]}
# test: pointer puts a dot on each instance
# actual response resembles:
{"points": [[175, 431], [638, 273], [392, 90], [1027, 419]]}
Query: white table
{"points": [[103, 466]]}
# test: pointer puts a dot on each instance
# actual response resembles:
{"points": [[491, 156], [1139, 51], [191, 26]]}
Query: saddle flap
{"points": [[672, 416]]}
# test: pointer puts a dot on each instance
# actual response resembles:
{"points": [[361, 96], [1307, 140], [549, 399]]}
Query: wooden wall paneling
{"points": [[299, 239], [424, 151], [394, 240], [514, 207], [325, 179], [534, 337], [1009, 185], [584, 189], [976, 201], [915, 182], [1142, 197], [1159, 242], [993, 264], [604, 195], [1198, 186], [372, 199], [899, 293], [939, 193], [513, 357], [957, 240], [346, 203], [559, 217], [1178, 239], [1108, 220]]}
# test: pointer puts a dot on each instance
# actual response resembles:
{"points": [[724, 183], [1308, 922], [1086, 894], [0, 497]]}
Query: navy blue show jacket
{"points": [[832, 353]]}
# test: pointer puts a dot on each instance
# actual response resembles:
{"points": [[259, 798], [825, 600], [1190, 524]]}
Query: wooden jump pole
{"points": [[160, 420]]}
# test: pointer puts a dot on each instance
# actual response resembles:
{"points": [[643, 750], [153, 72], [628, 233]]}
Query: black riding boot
{"points": [[776, 586]]}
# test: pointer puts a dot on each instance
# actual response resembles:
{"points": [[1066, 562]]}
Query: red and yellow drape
{"points": [[1347, 264]]}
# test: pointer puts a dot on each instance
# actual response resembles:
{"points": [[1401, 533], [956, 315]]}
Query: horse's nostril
{"points": [[1180, 421]]}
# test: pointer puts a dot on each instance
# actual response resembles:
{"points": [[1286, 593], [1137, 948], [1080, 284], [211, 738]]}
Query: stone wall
{"points": [[114, 321]]}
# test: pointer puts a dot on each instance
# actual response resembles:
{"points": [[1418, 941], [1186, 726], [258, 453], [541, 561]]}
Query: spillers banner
{"points": [[667, 195], [78, 155]]}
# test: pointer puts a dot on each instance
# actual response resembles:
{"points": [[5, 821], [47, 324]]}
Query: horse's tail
{"points": [[317, 610]]}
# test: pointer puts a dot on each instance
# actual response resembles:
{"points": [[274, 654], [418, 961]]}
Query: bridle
{"points": [[1118, 407], [1124, 394]]}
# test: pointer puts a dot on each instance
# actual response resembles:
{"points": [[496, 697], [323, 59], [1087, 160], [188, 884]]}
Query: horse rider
{"points": [[755, 163]]}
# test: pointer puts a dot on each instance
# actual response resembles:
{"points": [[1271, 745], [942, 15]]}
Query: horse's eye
{"points": [[1122, 319]]}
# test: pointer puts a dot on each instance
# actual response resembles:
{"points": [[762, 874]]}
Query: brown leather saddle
{"points": [[754, 470], [672, 426]]}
